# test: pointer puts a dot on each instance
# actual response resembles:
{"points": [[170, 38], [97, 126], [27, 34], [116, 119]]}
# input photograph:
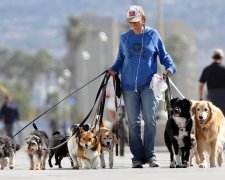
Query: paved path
{"points": [[122, 170]]}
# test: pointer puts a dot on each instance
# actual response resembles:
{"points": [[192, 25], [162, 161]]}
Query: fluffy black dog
{"points": [[61, 151], [8, 150], [177, 132]]}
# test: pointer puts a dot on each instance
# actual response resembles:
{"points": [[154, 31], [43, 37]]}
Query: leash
{"points": [[171, 82], [168, 95], [58, 103], [101, 89]]}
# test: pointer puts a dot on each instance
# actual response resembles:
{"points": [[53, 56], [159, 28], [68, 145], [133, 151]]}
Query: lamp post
{"points": [[103, 39], [86, 58]]}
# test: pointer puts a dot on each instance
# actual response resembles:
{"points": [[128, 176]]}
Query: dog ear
{"points": [[2, 145], [211, 109], [86, 127], [193, 108], [187, 103], [172, 101]]}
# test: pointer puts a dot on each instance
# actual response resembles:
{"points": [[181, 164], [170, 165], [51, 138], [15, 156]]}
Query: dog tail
{"points": [[56, 132], [18, 147], [35, 127]]}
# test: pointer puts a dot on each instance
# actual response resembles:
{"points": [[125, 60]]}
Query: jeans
{"points": [[137, 103]]}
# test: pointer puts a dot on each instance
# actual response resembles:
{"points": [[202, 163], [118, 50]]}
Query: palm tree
{"points": [[74, 35]]}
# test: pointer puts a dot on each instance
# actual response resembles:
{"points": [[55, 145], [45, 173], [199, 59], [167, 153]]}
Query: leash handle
{"points": [[168, 96]]}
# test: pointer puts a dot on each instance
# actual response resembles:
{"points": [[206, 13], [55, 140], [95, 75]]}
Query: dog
{"points": [[84, 147], [8, 150], [60, 152], [177, 132], [193, 150], [36, 146], [210, 132], [107, 141]]}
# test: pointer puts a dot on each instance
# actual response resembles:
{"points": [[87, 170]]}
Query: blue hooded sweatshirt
{"points": [[137, 58]]}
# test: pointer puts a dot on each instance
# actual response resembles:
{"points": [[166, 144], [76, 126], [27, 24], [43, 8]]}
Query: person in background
{"points": [[139, 48], [214, 77], [9, 114]]}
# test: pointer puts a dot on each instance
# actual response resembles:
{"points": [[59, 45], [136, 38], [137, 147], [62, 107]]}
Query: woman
{"points": [[137, 63]]}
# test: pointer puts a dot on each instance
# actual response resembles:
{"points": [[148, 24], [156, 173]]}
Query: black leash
{"points": [[168, 96], [101, 89], [60, 102]]}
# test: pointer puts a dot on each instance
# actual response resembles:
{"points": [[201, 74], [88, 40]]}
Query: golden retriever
{"points": [[210, 126]]}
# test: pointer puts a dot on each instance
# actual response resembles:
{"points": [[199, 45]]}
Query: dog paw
{"points": [[186, 164], [75, 167], [103, 166], [173, 164], [202, 166], [110, 165], [178, 166], [11, 166]]}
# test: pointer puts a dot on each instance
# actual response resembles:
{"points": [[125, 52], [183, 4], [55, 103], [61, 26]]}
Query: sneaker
{"points": [[153, 163], [137, 164]]}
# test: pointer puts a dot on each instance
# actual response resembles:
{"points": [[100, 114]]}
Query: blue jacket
{"points": [[137, 58]]}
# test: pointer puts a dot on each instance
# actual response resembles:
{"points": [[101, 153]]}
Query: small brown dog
{"points": [[84, 148], [193, 151], [107, 140]]}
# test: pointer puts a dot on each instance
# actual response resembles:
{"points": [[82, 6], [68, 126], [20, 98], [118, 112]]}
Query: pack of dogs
{"points": [[194, 129]]}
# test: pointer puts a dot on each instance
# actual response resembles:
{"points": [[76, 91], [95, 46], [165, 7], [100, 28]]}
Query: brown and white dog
{"points": [[210, 132], [193, 150], [107, 140], [84, 148]]}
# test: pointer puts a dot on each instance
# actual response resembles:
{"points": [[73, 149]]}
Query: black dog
{"points": [[177, 132], [59, 152]]}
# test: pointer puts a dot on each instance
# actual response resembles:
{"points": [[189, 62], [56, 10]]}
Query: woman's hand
{"points": [[167, 74], [111, 72]]}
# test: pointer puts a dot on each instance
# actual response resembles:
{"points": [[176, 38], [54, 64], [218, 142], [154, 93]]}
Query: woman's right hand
{"points": [[111, 72]]}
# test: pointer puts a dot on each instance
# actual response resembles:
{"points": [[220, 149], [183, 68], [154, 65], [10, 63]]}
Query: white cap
{"points": [[135, 13], [217, 53]]}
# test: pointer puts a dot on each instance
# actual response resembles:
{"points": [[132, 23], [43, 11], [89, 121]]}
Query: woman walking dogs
{"points": [[137, 63]]}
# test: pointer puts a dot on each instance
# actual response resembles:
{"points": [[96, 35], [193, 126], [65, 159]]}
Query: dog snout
{"points": [[176, 110], [201, 117], [108, 143], [86, 145]]}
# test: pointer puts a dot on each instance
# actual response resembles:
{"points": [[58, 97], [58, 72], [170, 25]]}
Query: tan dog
{"points": [[193, 151], [210, 128], [107, 141], [84, 149]]}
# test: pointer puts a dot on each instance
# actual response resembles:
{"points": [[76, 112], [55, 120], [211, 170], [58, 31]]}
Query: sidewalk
{"points": [[121, 170]]}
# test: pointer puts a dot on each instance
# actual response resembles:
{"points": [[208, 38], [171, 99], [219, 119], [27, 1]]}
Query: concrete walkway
{"points": [[122, 170]]}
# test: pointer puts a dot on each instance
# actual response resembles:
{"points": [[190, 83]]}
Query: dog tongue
{"points": [[30, 151], [201, 121]]}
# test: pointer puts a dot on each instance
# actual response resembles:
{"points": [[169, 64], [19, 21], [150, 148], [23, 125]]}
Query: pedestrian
{"points": [[9, 114], [214, 77], [137, 63]]}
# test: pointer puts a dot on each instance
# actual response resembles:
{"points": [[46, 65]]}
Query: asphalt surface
{"points": [[121, 170]]}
